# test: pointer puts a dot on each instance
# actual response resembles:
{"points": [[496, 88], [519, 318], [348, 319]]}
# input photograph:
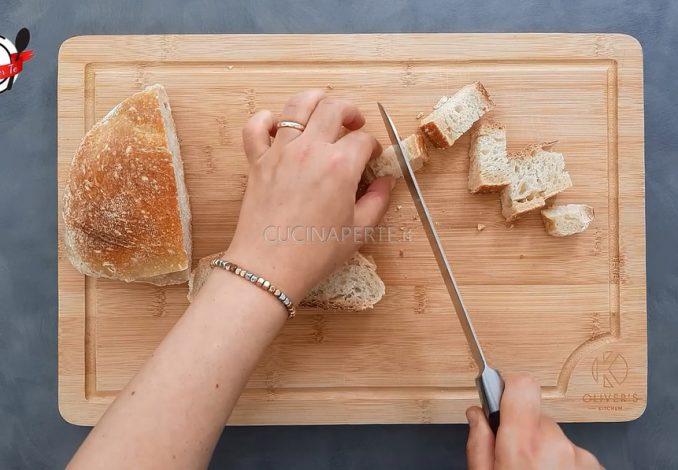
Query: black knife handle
{"points": [[493, 419]]}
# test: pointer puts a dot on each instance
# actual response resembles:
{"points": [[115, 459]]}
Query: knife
{"points": [[489, 383]]}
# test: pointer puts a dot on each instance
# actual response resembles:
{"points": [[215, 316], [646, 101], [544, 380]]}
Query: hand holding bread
{"points": [[302, 189]]}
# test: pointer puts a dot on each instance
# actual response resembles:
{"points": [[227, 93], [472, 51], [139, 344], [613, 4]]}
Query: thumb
{"points": [[480, 443], [371, 207]]}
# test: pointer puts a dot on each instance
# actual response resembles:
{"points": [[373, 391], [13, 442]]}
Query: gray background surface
{"points": [[32, 433]]}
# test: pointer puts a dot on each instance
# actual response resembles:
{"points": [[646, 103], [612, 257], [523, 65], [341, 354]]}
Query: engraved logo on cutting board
{"points": [[609, 369]]}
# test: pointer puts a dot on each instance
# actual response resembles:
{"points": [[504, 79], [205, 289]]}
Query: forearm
{"points": [[172, 413]]}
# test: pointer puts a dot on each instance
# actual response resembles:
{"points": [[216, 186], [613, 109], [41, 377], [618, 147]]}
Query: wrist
{"points": [[231, 288], [274, 269], [258, 281]]}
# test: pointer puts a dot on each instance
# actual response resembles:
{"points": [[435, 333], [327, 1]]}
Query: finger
{"points": [[480, 443], [298, 109], [256, 135], [521, 403], [359, 147], [550, 429], [585, 459], [371, 207], [330, 117], [555, 445]]}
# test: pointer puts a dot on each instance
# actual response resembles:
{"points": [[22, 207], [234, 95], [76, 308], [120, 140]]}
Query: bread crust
{"points": [[530, 150], [120, 209], [419, 147], [483, 91], [435, 135], [488, 188], [485, 126]]}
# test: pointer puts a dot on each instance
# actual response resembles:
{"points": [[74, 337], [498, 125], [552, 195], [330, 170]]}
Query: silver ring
{"points": [[291, 124]]}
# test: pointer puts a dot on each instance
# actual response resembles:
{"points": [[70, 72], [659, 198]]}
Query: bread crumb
{"points": [[401, 253], [481, 227], [402, 228], [398, 207], [420, 115], [330, 86], [415, 217], [509, 226], [522, 256], [230, 67]]}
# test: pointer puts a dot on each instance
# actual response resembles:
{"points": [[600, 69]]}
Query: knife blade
{"points": [[489, 383]]}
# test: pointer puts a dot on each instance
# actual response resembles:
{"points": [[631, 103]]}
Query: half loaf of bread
{"points": [[354, 286], [125, 206]]}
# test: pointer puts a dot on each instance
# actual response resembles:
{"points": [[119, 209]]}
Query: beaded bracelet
{"points": [[258, 281]]}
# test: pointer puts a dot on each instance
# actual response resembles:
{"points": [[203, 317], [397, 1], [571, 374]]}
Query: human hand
{"points": [[302, 189], [526, 438]]}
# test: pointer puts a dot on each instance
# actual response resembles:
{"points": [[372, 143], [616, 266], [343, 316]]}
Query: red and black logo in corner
{"points": [[12, 58]]}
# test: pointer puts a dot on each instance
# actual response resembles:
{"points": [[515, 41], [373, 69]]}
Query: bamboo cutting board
{"points": [[570, 311]]}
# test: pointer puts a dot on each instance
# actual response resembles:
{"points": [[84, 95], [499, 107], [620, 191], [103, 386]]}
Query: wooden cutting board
{"points": [[570, 311]]}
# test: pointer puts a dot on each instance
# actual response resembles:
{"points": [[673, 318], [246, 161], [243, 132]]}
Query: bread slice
{"points": [[537, 174], [451, 117], [125, 206], [387, 163], [565, 220], [488, 168], [354, 286]]}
